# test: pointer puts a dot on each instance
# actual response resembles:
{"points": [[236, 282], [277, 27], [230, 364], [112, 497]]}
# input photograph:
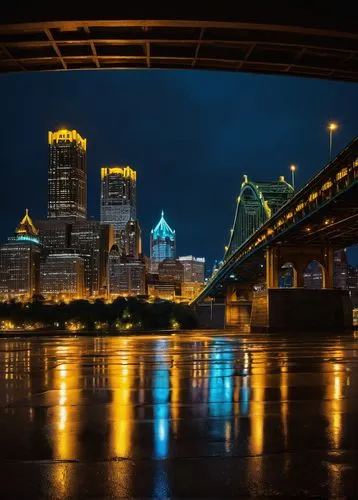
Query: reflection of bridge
{"points": [[309, 226], [324, 45]]}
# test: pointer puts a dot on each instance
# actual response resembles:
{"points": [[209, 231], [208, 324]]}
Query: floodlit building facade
{"points": [[162, 243], [67, 175], [118, 198], [194, 268], [20, 262], [62, 277], [126, 275]]}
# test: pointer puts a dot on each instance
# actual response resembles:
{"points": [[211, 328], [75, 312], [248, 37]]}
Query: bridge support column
{"points": [[238, 307], [272, 267], [301, 310]]}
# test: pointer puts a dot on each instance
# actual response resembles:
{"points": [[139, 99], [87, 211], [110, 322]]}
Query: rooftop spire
{"points": [[162, 229], [26, 226]]}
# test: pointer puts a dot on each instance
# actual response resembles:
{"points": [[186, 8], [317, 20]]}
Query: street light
{"points": [[331, 127], [293, 170]]}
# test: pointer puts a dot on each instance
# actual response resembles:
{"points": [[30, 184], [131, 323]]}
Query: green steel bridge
{"points": [[273, 226]]}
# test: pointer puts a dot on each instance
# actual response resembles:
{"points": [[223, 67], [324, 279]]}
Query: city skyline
{"points": [[228, 134]]}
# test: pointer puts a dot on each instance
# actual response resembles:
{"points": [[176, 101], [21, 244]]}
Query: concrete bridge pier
{"points": [[301, 309], [238, 307]]}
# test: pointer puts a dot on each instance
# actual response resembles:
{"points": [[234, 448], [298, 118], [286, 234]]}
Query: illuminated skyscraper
{"points": [[162, 243], [118, 198], [67, 175], [20, 262]]}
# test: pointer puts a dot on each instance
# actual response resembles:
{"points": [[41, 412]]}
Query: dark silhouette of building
{"points": [[133, 239], [54, 234], [92, 241], [67, 175], [340, 269]]}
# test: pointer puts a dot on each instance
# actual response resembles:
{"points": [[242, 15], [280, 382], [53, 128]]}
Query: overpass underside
{"points": [[254, 47]]}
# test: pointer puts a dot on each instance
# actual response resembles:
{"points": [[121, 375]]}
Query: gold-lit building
{"points": [[189, 290], [118, 198], [67, 174], [20, 262]]}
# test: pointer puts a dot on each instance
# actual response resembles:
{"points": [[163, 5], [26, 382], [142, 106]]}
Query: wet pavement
{"points": [[188, 415]]}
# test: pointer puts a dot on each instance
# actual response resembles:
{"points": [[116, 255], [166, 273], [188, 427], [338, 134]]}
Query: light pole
{"points": [[331, 128], [293, 170]]}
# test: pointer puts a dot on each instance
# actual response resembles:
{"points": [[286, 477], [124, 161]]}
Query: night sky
{"points": [[189, 135]]}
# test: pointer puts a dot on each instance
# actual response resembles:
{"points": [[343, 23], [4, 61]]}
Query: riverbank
{"points": [[96, 333]]}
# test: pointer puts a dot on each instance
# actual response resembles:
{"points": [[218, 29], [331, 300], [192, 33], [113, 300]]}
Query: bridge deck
{"points": [[324, 212], [250, 46]]}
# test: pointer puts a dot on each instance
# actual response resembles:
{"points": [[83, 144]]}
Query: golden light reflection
{"points": [[284, 384], [64, 426], [65, 380], [257, 410], [336, 379], [121, 409], [175, 396]]}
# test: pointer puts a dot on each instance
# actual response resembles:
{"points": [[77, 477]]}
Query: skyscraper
{"points": [[92, 241], [67, 175], [118, 198], [133, 239], [20, 262], [162, 243]]}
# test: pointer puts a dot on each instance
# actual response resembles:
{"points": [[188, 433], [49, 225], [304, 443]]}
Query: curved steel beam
{"points": [[258, 47]]}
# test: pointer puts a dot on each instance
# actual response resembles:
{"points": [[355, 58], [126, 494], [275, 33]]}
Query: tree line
{"points": [[122, 314]]}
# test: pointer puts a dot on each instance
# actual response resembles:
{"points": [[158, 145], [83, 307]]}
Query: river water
{"points": [[195, 414]]}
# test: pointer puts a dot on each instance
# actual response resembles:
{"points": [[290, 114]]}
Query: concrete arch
{"points": [[314, 275]]}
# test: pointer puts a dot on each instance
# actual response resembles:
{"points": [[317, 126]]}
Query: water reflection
{"points": [[109, 399], [161, 401], [121, 408]]}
